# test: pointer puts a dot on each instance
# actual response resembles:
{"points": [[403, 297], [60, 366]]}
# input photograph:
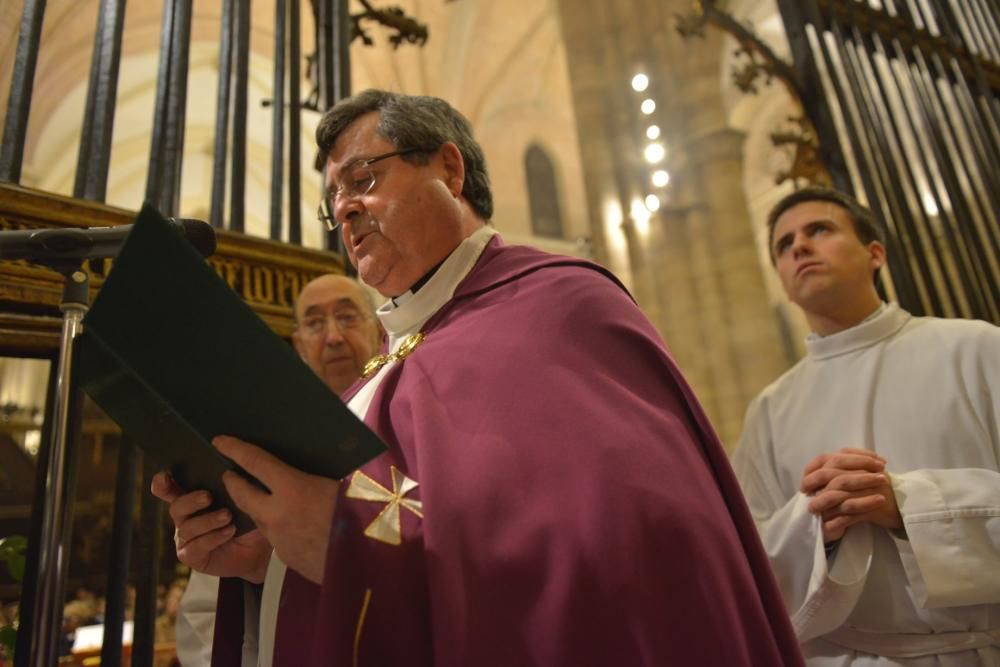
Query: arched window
{"points": [[543, 196]]}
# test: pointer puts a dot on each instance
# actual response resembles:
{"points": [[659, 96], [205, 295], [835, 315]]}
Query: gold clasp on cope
{"points": [[376, 363]]}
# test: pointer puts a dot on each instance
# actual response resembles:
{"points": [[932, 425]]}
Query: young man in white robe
{"points": [[871, 467]]}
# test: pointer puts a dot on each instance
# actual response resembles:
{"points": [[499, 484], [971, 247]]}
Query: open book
{"points": [[176, 358]]}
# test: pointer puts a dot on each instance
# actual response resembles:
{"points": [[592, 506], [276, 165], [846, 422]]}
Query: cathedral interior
{"points": [[650, 137]]}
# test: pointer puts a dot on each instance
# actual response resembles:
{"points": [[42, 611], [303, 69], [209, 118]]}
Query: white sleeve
{"points": [[951, 552], [196, 620], [818, 597]]}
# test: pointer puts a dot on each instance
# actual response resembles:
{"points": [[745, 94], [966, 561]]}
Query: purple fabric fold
{"points": [[576, 507]]}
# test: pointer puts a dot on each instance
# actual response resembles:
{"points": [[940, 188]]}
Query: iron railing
{"points": [[332, 81]]}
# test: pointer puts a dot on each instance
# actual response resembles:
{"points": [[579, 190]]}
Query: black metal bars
{"points": [[15, 128], [333, 45], [163, 188], [241, 45], [166, 151], [330, 71], [222, 114], [278, 122], [116, 593], [295, 124], [99, 115]]}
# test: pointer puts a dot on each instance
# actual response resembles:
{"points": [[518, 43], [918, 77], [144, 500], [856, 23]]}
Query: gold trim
{"points": [[406, 348], [361, 624]]}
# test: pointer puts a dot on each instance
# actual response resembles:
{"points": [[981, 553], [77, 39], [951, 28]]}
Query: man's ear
{"points": [[454, 167], [877, 252]]}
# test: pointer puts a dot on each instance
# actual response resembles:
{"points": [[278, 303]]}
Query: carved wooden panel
{"points": [[268, 275]]}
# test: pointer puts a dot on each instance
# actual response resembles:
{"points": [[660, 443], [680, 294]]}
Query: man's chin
{"points": [[380, 281], [371, 274], [811, 283], [339, 382], [817, 299]]}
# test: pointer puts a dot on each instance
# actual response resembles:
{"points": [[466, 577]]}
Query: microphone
{"points": [[42, 245]]}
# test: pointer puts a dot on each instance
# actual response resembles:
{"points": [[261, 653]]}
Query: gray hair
{"points": [[412, 121]]}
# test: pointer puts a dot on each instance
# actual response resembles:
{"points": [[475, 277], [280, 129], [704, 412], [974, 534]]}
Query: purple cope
{"points": [[575, 505]]}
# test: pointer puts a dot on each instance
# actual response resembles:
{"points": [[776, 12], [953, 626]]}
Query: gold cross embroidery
{"points": [[386, 526]]}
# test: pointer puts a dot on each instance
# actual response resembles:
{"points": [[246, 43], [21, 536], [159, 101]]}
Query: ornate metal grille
{"points": [[904, 96], [329, 73]]}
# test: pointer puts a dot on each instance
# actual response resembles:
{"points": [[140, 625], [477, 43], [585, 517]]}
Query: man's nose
{"points": [[801, 245], [347, 208], [333, 334]]}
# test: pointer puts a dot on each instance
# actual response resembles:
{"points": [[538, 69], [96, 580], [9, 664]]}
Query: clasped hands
{"points": [[293, 519], [847, 487]]}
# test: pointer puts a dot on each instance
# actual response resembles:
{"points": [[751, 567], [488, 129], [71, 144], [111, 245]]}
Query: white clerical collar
{"points": [[887, 320], [398, 301], [409, 314], [878, 311], [406, 313]]}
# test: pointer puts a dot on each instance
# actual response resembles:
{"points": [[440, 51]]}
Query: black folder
{"points": [[175, 357]]}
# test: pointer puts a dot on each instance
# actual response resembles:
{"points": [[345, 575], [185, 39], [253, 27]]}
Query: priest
{"points": [[552, 493]]}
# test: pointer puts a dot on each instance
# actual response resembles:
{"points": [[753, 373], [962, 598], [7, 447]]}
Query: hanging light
{"points": [[640, 216], [640, 82], [648, 106], [653, 132], [661, 178], [652, 203], [654, 153]]}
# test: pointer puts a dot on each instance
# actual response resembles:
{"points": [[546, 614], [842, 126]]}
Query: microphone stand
{"points": [[53, 546]]}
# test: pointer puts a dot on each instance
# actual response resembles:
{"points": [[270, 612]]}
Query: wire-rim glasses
{"points": [[357, 180]]}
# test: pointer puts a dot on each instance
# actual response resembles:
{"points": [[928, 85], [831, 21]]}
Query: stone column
{"points": [[694, 268], [741, 348]]}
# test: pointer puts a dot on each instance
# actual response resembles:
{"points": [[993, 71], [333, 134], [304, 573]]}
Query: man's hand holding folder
{"points": [[176, 358], [208, 542]]}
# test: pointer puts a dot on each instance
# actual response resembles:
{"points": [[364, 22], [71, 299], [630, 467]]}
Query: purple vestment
{"points": [[575, 506]]}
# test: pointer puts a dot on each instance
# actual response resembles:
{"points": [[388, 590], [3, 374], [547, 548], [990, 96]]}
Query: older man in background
{"points": [[336, 333]]}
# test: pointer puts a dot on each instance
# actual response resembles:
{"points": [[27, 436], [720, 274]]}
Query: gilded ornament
{"points": [[406, 348]]}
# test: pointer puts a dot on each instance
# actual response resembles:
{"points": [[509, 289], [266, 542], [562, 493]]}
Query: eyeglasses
{"points": [[357, 179], [344, 320]]}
